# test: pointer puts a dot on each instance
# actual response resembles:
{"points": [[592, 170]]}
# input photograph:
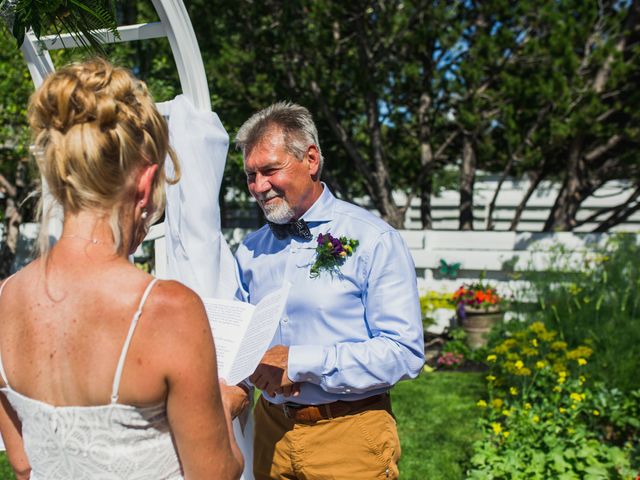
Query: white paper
{"points": [[243, 332]]}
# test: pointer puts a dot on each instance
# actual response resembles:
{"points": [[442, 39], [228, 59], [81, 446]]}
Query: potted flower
{"points": [[478, 308]]}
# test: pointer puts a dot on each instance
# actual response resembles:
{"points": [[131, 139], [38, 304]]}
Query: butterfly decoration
{"points": [[449, 270]]}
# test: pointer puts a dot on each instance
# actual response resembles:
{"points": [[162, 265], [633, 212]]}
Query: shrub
{"points": [[542, 419], [601, 302]]}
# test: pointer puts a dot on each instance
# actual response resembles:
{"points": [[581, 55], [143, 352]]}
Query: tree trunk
{"points": [[386, 205], [382, 183], [535, 181], [426, 152], [492, 206], [467, 179], [573, 191], [426, 216]]}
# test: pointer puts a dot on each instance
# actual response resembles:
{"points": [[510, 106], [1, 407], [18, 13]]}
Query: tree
{"points": [[17, 177], [573, 101]]}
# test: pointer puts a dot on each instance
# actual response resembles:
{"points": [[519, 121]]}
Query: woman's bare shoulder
{"points": [[175, 306]]}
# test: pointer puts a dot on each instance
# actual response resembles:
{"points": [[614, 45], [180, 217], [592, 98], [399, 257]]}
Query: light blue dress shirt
{"points": [[352, 334]]}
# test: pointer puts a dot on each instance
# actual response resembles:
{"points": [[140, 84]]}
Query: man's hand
{"points": [[271, 375], [235, 398]]}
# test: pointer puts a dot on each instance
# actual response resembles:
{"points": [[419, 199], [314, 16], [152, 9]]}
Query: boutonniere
{"points": [[331, 253]]}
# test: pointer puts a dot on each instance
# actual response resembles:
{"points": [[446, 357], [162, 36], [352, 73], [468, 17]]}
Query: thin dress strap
{"points": [[125, 347], [4, 375]]}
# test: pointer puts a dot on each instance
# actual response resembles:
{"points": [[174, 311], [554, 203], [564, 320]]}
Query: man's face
{"points": [[282, 184]]}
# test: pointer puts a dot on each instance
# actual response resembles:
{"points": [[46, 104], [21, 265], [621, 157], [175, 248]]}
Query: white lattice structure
{"points": [[174, 25]]}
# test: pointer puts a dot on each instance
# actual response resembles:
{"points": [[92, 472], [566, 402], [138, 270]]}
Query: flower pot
{"points": [[477, 323]]}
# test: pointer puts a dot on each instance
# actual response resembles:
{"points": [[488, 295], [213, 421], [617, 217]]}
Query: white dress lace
{"points": [[112, 441]]}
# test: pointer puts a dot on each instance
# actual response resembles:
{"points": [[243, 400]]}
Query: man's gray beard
{"points": [[279, 213]]}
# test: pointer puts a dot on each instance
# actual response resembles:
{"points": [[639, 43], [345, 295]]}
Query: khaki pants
{"points": [[359, 446]]}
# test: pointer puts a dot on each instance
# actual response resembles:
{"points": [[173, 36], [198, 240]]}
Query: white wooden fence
{"points": [[445, 206]]}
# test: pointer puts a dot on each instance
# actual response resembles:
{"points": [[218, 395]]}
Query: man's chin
{"points": [[278, 215]]}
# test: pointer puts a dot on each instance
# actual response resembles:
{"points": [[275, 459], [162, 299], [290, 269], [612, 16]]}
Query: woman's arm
{"points": [[12, 436], [200, 423]]}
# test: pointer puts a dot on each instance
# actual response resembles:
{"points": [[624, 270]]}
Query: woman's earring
{"points": [[144, 215]]}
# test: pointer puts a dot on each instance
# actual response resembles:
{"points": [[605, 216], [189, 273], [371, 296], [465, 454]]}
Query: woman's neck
{"points": [[91, 230]]}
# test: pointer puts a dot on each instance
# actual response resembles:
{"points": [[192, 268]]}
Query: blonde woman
{"points": [[106, 372]]}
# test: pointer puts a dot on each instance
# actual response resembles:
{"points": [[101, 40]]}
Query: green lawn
{"points": [[436, 416], [5, 470]]}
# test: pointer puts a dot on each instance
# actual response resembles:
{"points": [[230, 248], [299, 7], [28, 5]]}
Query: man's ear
{"points": [[144, 185], [313, 155]]}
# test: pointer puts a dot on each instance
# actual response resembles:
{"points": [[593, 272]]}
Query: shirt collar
{"points": [[322, 208]]}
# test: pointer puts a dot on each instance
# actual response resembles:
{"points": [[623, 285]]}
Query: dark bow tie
{"points": [[296, 228]]}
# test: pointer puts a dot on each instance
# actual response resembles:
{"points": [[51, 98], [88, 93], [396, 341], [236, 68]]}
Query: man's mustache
{"points": [[263, 197]]}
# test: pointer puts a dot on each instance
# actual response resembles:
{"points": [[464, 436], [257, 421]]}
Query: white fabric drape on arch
{"points": [[197, 253]]}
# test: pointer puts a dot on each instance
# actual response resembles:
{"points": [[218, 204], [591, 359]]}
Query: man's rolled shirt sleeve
{"points": [[395, 349]]}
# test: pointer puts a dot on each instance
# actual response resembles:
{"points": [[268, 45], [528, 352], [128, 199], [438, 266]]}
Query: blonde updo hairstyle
{"points": [[95, 126]]}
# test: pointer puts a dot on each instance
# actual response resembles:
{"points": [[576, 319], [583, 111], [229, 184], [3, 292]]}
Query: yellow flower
{"points": [[534, 342], [490, 378], [497, 428], [524, 372], [513, 391], [481, 403], [562, 410], [491, 358], [573, 406], [582, 379], [519, 365], [558, 345], [577, 397], [497, 403], [547, 336], [506, 434], [557, 389], [579, 352], [506, 413], [537, 327], [596, 413], [540, 364], [582, 362], [527, 406], [535, 419]]}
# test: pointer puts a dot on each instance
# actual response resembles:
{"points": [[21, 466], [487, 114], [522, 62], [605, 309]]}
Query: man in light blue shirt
{"points": [[352, 325]]}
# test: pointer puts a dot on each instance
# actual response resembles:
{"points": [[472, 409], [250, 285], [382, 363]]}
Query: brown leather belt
{"points": [[326, 411]]}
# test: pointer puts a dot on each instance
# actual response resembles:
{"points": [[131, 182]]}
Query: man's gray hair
{"points": [[294, 120]]}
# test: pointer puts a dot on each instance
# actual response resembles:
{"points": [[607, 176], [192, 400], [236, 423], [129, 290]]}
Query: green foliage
{"points": [[541, 419], [6, 472], [78, 17], [431, 301], [599, 302], [457, 343]]}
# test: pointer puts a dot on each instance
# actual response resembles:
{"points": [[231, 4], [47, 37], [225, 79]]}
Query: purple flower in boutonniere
{"points": [[331, 253]]}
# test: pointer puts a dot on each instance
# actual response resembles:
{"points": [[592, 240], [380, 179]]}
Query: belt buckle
{"points": [[287, 409]]}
